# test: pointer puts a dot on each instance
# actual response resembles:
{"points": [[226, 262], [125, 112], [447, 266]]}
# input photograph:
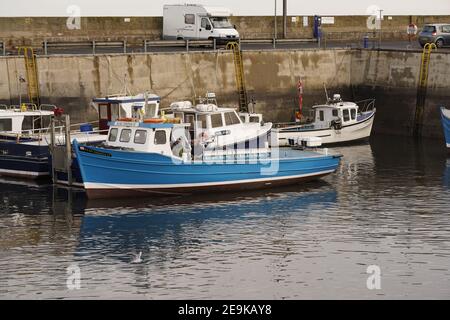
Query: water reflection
{"points": [[387, 205]]}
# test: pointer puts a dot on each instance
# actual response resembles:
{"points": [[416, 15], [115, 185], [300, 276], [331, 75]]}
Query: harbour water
{"points": [[388, 205]]}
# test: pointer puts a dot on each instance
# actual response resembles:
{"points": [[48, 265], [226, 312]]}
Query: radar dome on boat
{"points": [[337, 97], [180, 105]]}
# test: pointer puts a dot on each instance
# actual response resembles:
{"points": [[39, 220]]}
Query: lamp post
{"points": [[381, 17], [275, 22]]}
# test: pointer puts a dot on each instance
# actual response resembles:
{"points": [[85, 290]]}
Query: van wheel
{"points": [[439, 43], [179, 38]]}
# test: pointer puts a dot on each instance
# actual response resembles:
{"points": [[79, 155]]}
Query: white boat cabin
{"points": [[215, 125], [161, 138], [25, 119], [337, 112], [115, 107]]}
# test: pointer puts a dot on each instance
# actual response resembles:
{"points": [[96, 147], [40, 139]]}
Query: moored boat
{"points": [[140, 159], [337, 121], [445, 116]]}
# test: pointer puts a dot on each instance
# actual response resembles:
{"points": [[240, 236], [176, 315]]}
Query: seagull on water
{"points": [[137, 258]]}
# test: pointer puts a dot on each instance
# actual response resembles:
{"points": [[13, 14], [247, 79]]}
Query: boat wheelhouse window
{"points": [[160, 137], [231, 118], [125, 135], [113, 134], [335, 113], [140, 137], [254, 119], [189, 118], [150, 110], [201, 118], [321, 115], [353, 113], [5, 124], [216, 120], [346, 115]]}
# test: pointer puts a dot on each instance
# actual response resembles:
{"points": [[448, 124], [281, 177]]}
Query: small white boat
{"points": [[337, 121]]}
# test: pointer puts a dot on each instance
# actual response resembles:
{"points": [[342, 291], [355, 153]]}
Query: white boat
{"points": [[216, 127], [337, 121]]}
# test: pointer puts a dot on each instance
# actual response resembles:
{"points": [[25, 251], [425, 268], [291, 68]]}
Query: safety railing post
{"points": [[45, 47], [93, 46], [214, 44], [145, 46], [187, 45], [124, 46]]}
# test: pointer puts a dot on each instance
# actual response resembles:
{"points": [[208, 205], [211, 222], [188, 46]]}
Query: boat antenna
{"points": [[326, 92]]}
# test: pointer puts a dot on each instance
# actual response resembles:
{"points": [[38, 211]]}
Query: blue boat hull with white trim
{"points": [[112, 172], [445, 115]]}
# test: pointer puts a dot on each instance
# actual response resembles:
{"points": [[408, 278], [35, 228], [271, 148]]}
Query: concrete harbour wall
{"points": [[271, 75]]}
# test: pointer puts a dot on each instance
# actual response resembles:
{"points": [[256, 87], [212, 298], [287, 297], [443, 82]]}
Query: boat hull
{"points": [[352, 133], [445, 115], [112, 173], [23, 161]]}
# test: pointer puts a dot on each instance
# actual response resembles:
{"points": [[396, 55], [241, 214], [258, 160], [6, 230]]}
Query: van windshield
{"points": [[429, 29], [221, 23]]}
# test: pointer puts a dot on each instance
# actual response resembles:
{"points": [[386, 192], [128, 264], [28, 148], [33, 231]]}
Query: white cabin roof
{"points": [[337, 105]]}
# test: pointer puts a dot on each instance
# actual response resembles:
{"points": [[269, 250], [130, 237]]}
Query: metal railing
{"points": [[365, 105], [94, 45]]}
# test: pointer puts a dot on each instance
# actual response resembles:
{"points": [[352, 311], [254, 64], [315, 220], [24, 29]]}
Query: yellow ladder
{"points": [[426, 54], [32, 74], [239, 70], [422, 88]]}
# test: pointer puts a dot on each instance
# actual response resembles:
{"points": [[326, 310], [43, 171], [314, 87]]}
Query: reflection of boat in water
{"points": [[173, 226], [447, 173]]}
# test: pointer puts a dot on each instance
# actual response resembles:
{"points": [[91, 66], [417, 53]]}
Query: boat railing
{"points": [[366, 105]]}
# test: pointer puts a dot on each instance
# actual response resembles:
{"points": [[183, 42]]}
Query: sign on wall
{"points": [[327, 20]]}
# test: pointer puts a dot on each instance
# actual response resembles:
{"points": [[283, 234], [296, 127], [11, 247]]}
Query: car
{"points": [[437, 33]]}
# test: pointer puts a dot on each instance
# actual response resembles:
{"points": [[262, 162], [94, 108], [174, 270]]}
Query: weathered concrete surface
{"points": [[19, 31], [271, 76], [392, 78]]}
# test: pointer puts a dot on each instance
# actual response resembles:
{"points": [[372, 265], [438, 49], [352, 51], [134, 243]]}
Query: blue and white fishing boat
{"points": [[445, 114], [156, 158]]}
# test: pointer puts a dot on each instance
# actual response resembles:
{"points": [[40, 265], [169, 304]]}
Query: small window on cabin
{"points": [[201, 118], [231, 118], [216, 120], [189, 19], [335, 113], [160, 137], [254, 119], [113, 134], [189, 118], [140, 137], [321, 115], [5, 124], [125, 135], [346, 115], [353, 113]]}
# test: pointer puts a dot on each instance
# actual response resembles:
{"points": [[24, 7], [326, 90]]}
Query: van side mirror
{"points": [[208, 27]]}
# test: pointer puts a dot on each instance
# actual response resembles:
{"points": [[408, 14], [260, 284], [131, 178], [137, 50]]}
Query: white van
{"points": [[198, 22]]}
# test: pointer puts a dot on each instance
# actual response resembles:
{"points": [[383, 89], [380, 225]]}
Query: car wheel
{"points": [[439, 43]]}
